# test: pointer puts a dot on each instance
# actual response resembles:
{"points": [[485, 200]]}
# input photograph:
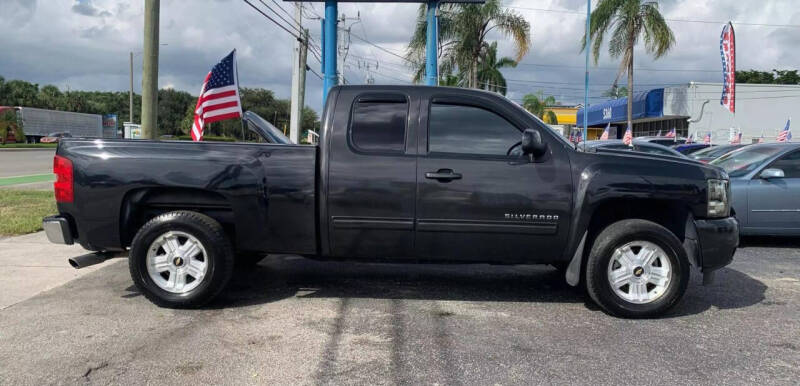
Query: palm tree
{"points": [[463, 29], [489, 75], [627, 20], [537, 105]]}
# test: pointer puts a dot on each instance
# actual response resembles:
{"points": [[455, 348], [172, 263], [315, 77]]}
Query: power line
{"points": [[272, 20], [616, 69], [564, 11], [292, 23], [381, 48]]}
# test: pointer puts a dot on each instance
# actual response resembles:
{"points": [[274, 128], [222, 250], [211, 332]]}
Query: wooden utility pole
{"points": [[298, 67], [130, 95], [150, 70]]}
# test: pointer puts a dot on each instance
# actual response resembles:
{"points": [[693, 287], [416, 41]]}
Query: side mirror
{"points": [[771, 173], [532, 143]]}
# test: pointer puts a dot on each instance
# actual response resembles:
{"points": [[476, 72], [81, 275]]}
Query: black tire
{"points": [[249, 259], [619, 234], [219, 257]]}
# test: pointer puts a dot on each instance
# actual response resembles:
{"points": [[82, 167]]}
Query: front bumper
{"points": [[717, 239], [57, 230]]}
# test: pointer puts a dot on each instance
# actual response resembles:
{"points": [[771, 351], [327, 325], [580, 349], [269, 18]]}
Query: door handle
{"points": [[443, 175]]}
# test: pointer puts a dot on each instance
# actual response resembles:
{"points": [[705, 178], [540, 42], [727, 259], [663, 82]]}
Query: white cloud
{"points": [[85, 44]]}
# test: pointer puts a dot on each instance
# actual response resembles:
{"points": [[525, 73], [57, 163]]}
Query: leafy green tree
{"points": [[786, 77], [627, 21], [489, 75], [616, 92], [537, 105], [463, 33]]}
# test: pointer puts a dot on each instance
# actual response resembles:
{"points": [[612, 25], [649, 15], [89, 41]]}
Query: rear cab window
{"points": [[379, 124]]}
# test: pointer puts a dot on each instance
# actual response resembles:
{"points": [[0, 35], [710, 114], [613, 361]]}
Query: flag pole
{"points": [[586, 79], [236, 72]]}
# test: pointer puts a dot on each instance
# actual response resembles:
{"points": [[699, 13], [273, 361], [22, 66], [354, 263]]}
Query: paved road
{"points": [[36, 167], [295, 321], [26, 162]]}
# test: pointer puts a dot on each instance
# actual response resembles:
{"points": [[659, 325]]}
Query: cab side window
{"points": [[379, 125], [790, 164], [469, 130]]}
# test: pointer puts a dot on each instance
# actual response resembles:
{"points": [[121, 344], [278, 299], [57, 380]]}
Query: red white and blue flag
{"points": [[707, 139], [737, 139], [604, 136], [628, 137], [690, 139], [219, 97], [671, 133], [785, 134], [727, 49]]}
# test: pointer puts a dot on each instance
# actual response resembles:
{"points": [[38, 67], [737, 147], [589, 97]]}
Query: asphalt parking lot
{"points": [[295, 321]]}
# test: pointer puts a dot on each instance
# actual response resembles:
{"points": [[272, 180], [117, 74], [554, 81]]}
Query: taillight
{"points": [[62, 168]]}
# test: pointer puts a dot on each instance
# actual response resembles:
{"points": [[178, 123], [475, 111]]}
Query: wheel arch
{"points": [[141, 205]]}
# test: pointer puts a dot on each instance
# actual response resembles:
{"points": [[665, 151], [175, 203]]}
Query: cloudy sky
{"points": [[84, 44]]}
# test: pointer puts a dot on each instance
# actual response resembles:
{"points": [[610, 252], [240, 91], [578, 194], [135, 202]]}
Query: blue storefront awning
{"points": [[646, 104]]}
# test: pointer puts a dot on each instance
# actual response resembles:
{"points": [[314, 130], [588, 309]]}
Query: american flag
{"points": [[707, 139], [604, 136], [737, 139], [690, 139], [786, 134], [219, 97], [671, 133], [628, 138]]}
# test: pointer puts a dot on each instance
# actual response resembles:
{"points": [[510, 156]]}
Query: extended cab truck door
{"points": [[372, 174], [476, 202]]}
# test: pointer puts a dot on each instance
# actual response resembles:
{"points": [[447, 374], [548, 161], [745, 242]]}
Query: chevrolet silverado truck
{"points": [[401, 174]]}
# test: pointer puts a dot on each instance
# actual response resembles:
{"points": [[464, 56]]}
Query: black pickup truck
{"points": [[401, 174]]}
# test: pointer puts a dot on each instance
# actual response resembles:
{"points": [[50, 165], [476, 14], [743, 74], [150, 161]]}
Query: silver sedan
{"points": [[765, 185]]}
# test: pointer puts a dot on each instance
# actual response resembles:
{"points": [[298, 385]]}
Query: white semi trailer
{"points": [[38, 123]]}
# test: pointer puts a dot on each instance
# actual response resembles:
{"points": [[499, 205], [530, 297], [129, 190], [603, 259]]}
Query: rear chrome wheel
{"points": [[639, 272], [181, 259], [177, 262]]}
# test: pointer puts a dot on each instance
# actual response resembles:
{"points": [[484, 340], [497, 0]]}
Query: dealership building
{"points": [[761, 109]]}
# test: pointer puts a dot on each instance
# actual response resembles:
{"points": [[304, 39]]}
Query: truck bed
{"points": [[263, 194]]}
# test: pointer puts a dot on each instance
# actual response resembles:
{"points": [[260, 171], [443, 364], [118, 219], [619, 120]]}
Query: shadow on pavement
{"points": [[287, 276], [769, 242]]}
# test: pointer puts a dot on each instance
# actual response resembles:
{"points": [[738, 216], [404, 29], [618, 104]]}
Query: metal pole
{"points": [[130, 95], [432, 49], [150, 70], [329, 49], [303, 67], [294, 120], [586, 80]]}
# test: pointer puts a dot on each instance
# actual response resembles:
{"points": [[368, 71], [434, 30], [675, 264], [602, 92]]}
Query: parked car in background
{"points": [[765, 184], [55, 137], [689, 148], [661, 140], [637, 145], [709, 154]]}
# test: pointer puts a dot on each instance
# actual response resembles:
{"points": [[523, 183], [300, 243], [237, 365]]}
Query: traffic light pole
{"points": [[432, 46]]}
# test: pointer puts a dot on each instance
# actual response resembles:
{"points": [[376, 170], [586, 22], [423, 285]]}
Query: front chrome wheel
{"points": [[177, 262], [639, 272]]}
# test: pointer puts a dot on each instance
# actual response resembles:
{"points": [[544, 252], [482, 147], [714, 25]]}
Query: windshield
{"points": [[713, 152], [745, 160], [266, 130]]}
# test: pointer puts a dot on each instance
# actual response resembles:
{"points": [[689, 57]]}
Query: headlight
{"points": [[718, 198]]}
